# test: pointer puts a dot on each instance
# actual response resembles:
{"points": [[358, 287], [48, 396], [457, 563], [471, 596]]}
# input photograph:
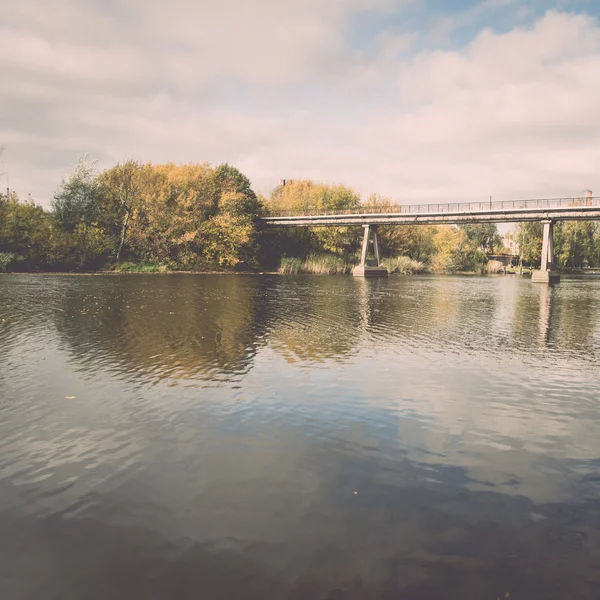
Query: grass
{"points": [[403, 265], [315, 264]]}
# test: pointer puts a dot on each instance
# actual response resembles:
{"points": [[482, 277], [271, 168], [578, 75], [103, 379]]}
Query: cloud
{"points": [[284, 90]]}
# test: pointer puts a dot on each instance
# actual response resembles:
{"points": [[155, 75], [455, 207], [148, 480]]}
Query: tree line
{"points": [[576, 243], [154, 217]]}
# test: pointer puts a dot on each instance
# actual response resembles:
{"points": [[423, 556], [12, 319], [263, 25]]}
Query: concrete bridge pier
{"points": [[370, 267], [547, 272]]}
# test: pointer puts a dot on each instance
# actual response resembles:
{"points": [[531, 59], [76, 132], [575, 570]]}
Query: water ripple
{"points": [[299, 437]]}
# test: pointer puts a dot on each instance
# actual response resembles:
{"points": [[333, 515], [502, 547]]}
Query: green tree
{"points": [[414, 241], [75, 207], [529, 236], [75, 200], [577, 244], [27, 234], [482, 236], [455, 252]]}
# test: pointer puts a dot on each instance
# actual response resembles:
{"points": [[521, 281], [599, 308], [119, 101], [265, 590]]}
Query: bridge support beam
{"points": [[370, 267], [547, 272]]}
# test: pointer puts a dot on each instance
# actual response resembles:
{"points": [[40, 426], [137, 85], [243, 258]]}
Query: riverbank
{"points": [[313, 264], [123, 273], [249, 273]]}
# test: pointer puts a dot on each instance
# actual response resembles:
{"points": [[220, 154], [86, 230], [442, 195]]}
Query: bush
{"points": [[291, 266], [8, 258], [143, 267], [403, 265], [443, 263], [315, 264], [494, 266]]}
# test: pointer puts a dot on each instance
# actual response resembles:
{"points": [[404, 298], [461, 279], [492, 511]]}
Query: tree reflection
{"points": [[211, 327], [167, 327], [315, 318]]}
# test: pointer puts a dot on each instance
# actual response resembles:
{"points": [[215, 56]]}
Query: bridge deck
{"points": [[559, 209]]}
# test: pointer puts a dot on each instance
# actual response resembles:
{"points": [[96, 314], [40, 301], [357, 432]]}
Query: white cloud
{"points": [[282, 91]]}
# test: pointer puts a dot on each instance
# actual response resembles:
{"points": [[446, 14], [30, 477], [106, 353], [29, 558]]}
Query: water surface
{"points": [[262, 437]]}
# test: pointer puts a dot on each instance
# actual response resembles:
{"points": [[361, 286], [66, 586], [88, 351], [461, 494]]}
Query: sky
{"points": [[417, 100]]}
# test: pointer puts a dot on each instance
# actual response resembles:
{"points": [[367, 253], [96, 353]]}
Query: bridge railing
{"points": [[446, 207]]}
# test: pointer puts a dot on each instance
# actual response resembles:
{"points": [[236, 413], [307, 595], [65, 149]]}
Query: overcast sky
{"points": [[420, 100]]}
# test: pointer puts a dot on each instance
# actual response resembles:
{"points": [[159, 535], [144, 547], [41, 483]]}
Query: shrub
{"points": [[494, 266], [403, 265], [6, 259], [316, 264], [291, 266], [142, 267]]}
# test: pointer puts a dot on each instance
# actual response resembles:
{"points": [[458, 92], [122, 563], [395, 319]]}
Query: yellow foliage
{"points": [[310, 197]]}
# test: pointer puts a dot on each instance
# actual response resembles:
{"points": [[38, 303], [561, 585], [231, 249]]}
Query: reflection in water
{"points": [[272, 437], [177, 330], [545, 314]]}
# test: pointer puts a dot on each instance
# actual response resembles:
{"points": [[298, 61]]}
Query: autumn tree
{"points": [[308, 197], [230, 237], [119, 189], [182, 216]]}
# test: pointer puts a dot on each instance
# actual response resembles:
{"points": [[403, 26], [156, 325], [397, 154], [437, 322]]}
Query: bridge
{"points": [[547, 211]]}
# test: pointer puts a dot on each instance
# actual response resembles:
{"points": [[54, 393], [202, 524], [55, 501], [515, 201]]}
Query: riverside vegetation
{"points": [[142, 217]]}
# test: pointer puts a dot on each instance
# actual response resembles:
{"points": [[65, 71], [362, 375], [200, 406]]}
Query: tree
{"points": [[120, 187], [26, 235], [455, 252], [75, 208], [482, 236], [576, 244], [75, 200], [529, 238], [230, 180], [181, 216], [414, 241], [305, 196], [236, 223]]}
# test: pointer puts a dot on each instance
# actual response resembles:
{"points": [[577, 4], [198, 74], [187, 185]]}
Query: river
{"points": [[264, 437]]}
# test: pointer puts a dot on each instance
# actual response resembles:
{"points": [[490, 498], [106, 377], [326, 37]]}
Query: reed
{"points": [[403, 265], [315, 264]]}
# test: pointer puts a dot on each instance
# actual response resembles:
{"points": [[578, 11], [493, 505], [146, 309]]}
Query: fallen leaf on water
{"points": [[70, 397]]}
